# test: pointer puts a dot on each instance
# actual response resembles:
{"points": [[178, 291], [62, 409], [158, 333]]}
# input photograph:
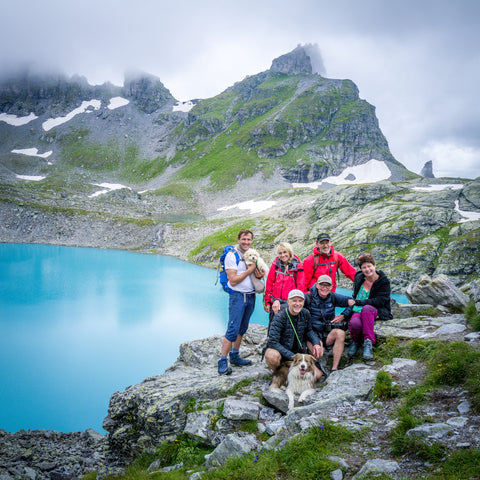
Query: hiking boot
{"points": [[352, 349], [367, 349], [223, 368], [322, 365], [236, 359]]}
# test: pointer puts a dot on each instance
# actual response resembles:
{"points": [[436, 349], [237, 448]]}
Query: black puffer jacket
{"points": [[282, 338], [379, 294], [322, 310]]}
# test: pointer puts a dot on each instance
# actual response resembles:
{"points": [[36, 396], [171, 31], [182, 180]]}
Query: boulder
{"points": [[376, 467], [429, 431], [234, 409], [439, 290], [233, 445]]}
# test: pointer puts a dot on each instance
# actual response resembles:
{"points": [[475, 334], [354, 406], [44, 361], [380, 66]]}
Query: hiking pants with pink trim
{"points": [[361, 324]]}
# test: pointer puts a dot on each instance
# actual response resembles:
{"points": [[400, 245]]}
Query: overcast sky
{"points": [[417, 62]]}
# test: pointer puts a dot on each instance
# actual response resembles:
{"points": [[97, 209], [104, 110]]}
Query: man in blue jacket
{"points": [[321, 303]]}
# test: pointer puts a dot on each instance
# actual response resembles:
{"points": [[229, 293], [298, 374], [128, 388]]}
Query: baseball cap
{"points": [[324, 279], [323, 236], [296, 293]]}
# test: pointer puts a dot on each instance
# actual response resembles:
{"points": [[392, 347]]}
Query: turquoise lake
{"points": [[78, 324]]}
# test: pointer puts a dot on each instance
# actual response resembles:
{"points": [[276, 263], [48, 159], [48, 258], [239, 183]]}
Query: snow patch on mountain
{"points": [[17, 121], [33, 178], [438, 188], [370, 172], [32, 152], [183, 106], [83, 108], [108, 187], [116, 102], [252, 205], [467, 216]]}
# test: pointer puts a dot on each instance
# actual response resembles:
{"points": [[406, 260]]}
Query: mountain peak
{"points": [[303, 60]]}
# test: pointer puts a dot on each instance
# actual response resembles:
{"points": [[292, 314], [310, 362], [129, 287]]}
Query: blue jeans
{"points": [[240, 309]]}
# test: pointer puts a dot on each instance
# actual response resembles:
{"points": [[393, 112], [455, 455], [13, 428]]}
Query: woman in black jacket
{"points": [[371, 293]]}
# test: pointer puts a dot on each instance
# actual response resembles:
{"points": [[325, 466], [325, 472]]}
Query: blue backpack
{"points": [[221, 269]]}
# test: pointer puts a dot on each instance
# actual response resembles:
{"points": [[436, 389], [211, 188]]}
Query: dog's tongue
{"points": [[303, 372]]}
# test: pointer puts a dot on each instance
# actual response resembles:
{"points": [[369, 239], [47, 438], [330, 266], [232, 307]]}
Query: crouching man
{"points": [[289, 331], [321, 303]]}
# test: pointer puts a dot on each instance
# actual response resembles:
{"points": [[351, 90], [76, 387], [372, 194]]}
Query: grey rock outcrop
{"points": [[427, 170], [439, 290], [234, 445], [293, 63], [147, 91], [154, 410]]}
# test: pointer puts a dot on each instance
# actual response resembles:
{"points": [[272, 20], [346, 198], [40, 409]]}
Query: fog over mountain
{"points": [[418, 63]]}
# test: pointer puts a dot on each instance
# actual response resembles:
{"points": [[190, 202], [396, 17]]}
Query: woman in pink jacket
{"points": [[285, 274]]}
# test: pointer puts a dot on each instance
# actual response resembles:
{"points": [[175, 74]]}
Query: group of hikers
{"points": [[300, 299]]}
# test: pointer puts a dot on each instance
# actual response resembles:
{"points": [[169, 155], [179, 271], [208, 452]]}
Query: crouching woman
{"points": [[371, 300]]}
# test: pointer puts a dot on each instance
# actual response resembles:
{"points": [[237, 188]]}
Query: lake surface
{"points": [[78, 324]]}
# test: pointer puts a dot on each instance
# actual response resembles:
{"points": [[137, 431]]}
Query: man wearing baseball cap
{"points": [[330, 328], [289, 332], [325, 261]]}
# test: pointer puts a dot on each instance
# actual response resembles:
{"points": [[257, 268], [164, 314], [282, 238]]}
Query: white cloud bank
{"points": [[448, 155]]}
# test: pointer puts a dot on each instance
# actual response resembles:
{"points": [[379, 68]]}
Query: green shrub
{"points": [[183, 449], [384, 388], [388, 349], [453, 364], [303, 457], [473, 316], [459, 464]]}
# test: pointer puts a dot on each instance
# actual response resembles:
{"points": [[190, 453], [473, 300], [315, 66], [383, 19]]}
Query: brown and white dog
{"points": [[299, 375]]}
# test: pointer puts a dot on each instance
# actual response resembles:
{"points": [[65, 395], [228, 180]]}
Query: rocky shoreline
{"points": [[191, 399]]}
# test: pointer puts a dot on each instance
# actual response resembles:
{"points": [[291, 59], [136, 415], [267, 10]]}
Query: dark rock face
{"points": [[148, 92], [52, 94], [293, 63], [427, 170]]}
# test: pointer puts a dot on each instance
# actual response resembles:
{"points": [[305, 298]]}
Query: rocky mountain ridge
{"points": [[285, 121]]}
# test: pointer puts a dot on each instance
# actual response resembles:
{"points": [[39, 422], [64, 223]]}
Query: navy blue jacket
{"points": [[282, 338], [322, 310]]}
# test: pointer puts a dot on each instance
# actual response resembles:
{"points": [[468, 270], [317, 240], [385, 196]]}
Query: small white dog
{"points": [[301, 378], [252, 256]]}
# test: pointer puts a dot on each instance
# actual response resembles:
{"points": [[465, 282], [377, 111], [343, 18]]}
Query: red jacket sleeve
{"points": [[307, 272], [269, 284], [345, 267], [300, 280]]}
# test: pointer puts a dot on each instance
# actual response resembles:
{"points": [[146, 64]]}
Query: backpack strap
{"points": [[316, 265]]}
